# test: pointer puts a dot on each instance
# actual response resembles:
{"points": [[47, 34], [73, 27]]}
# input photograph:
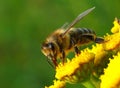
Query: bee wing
{"points": [[78, 18], [65, 25]]}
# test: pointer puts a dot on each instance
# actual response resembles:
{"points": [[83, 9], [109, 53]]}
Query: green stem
{"points": [[88, 84]]}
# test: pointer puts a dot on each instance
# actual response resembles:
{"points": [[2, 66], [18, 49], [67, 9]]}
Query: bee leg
{"points": [[54, 60], [50, 63], [77, 51], [63, 57]]}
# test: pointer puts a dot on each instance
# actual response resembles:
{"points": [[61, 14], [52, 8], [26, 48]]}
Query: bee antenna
{"points": [[79, 17]]}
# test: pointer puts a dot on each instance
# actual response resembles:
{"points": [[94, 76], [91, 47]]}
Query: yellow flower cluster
{"points": [[116, 27], [111, 77], [94, 60], [113, 41], [99, 52], [70, 71]]}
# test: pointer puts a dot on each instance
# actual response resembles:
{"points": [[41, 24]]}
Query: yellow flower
{"points": [[112, 42], [57, 84], [116, 27], [111, 77], [75, 70], [99, 52]]}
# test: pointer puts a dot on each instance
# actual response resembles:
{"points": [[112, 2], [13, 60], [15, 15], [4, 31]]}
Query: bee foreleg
{"points": [[54, 60], [77, 51], [50, 62]]}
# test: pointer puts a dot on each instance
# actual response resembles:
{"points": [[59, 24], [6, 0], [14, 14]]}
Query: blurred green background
{"points": [[24, 24]]}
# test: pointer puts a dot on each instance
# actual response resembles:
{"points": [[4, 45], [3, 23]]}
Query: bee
{"points": [[62, 41]]}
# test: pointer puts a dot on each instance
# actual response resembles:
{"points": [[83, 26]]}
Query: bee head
{"points": [[48, 49]]}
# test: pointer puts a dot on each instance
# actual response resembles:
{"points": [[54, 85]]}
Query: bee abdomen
{"points": [[81, 36], [90, 34], [84, 31], [78, 33], [86, 35]]}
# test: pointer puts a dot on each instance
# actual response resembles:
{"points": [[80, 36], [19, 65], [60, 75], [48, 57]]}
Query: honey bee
{"points": [[61, 42]]}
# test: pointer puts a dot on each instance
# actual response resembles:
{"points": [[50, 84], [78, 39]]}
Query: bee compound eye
{"points": [[51, 46]]}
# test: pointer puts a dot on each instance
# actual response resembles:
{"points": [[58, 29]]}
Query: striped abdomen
{"points": [[80, 36]]}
